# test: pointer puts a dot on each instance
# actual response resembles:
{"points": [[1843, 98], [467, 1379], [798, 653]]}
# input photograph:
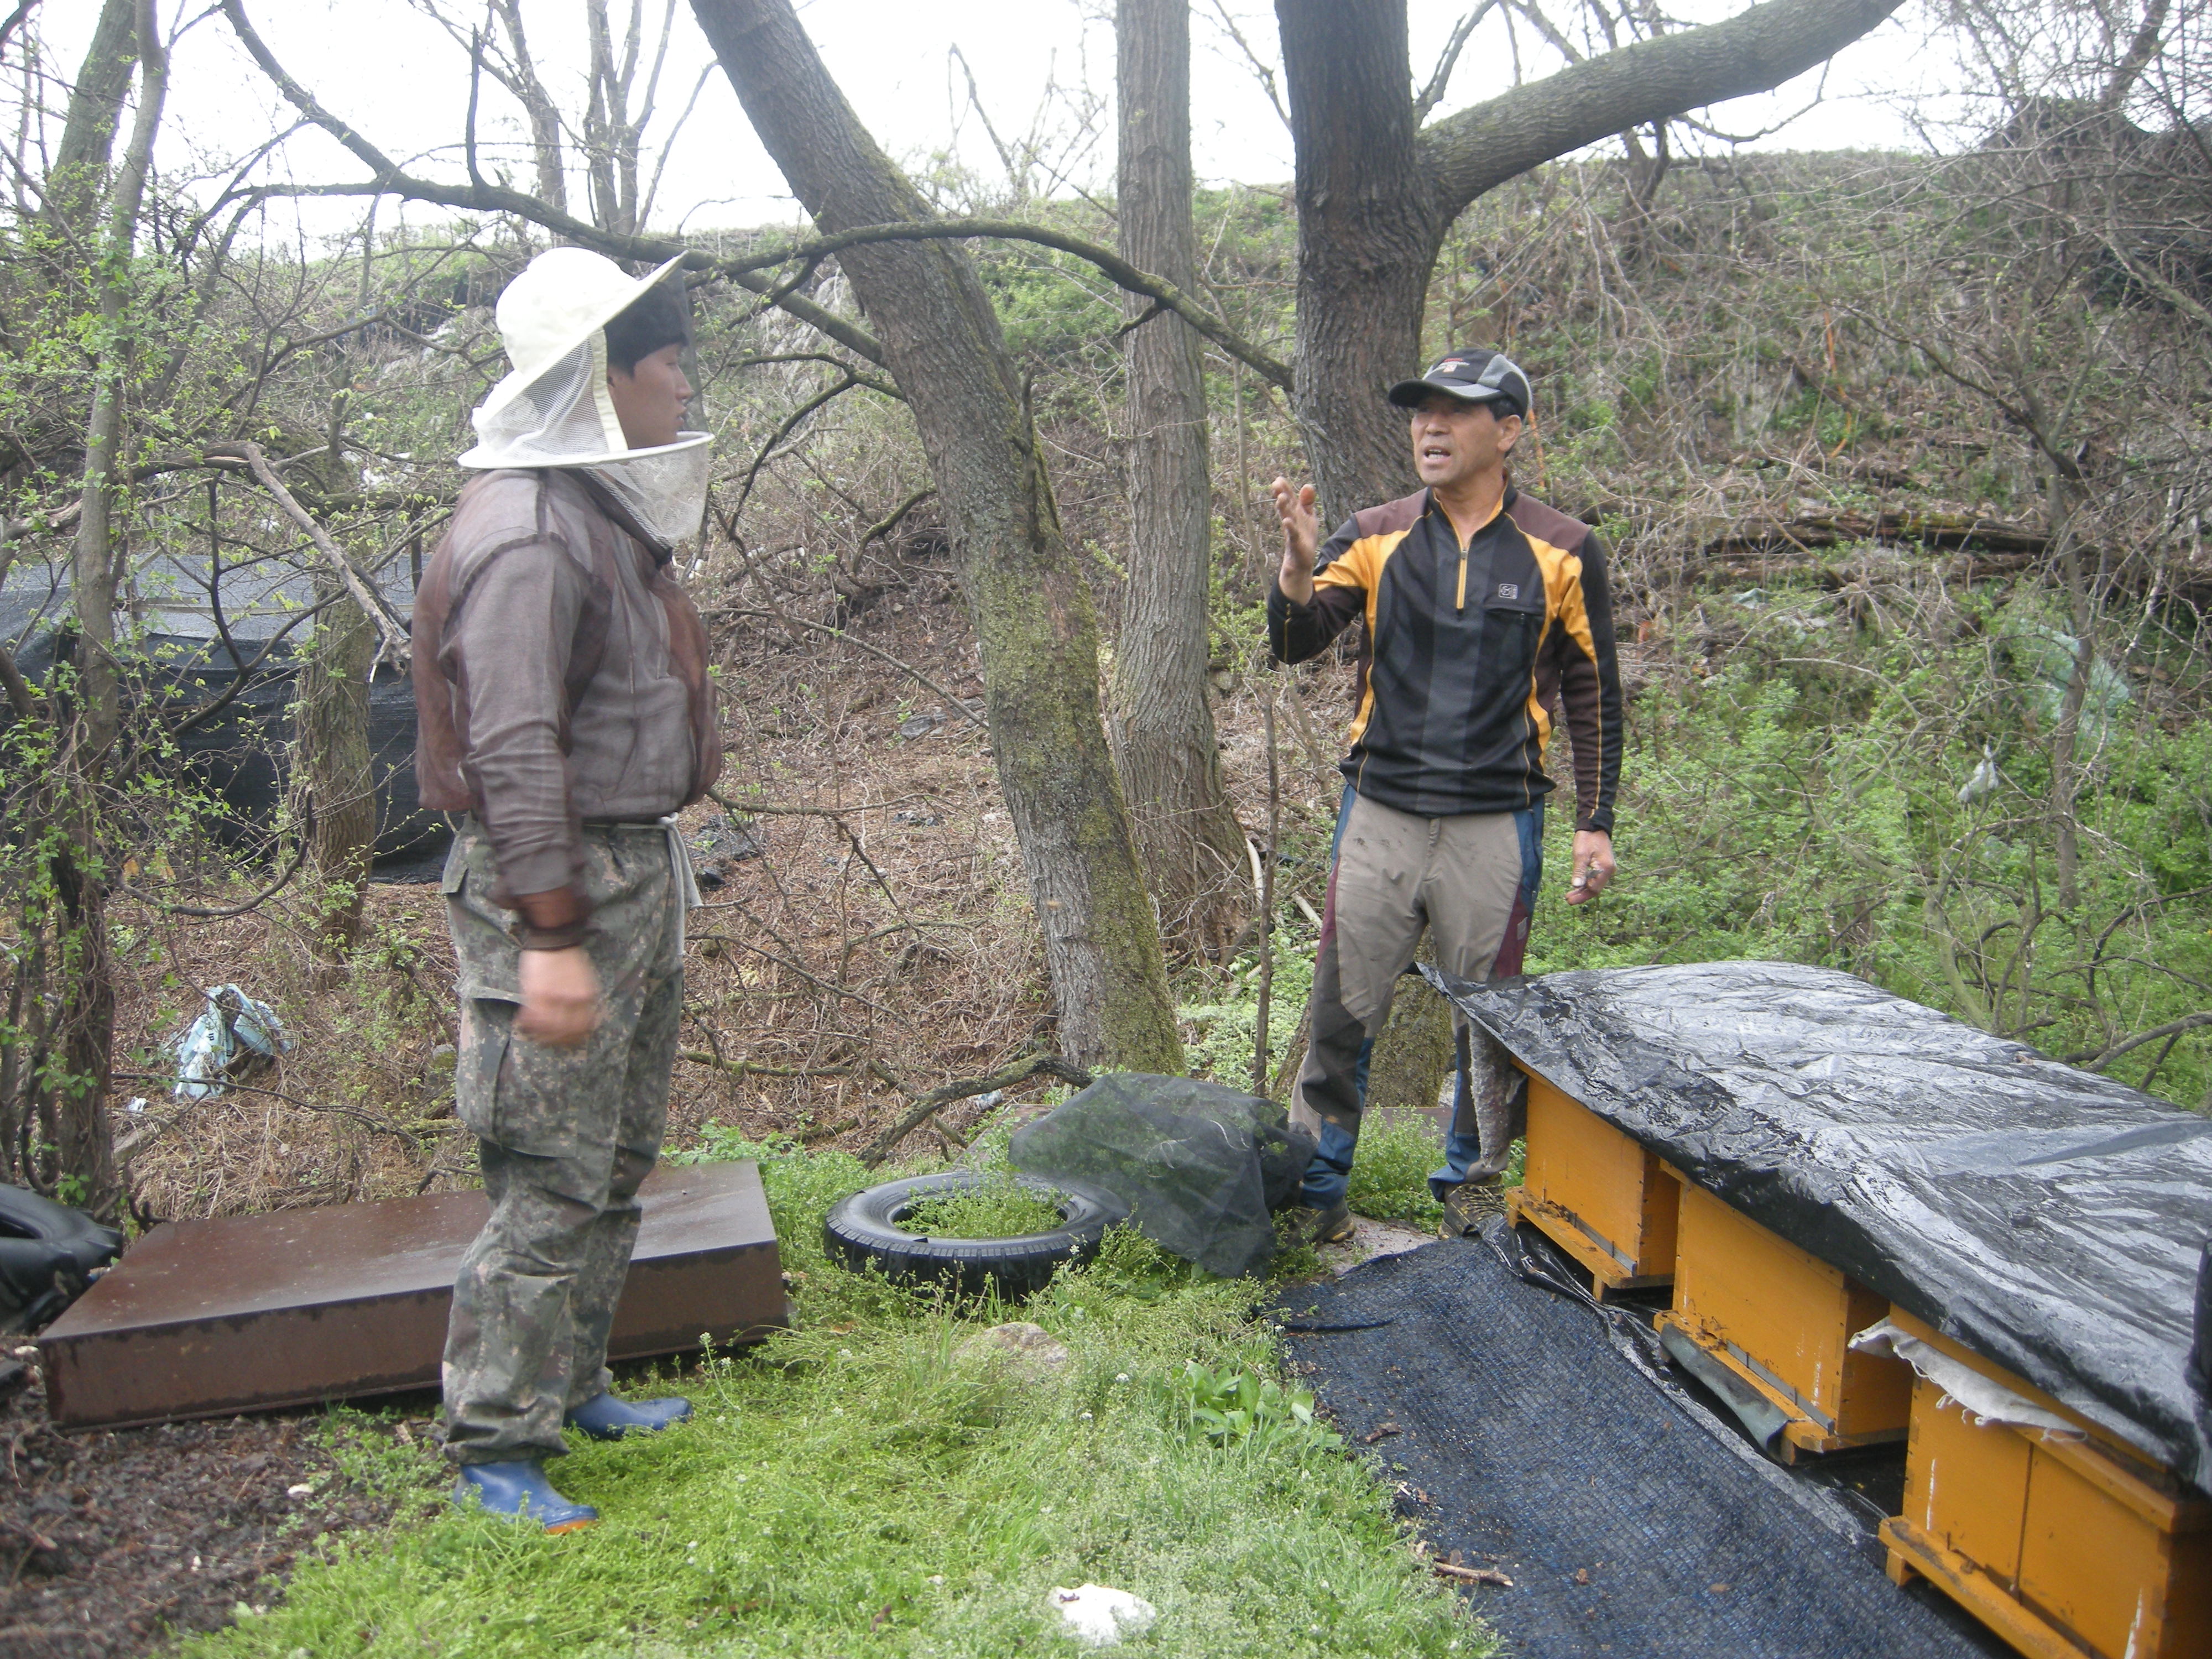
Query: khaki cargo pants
{"points": [[565, 1136], [1470, 883]]}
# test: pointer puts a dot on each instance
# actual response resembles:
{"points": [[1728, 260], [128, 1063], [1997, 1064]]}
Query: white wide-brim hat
{"points": [[553, 408], [563, 297]]}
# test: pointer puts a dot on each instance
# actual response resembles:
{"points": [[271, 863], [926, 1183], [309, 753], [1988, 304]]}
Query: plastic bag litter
{"points": [[232, 1035], [1202, 1168], [1098, 1616], [2048, 656], [2047, 1218]]}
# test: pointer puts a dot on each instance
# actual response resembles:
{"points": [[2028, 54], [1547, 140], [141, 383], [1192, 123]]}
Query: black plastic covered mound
{"points": [[2048, 1218], [1201, 1167], [238, 755], [1526, 1442]]}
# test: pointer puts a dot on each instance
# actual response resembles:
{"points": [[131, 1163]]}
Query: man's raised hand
{"points": [[1301, 539]]}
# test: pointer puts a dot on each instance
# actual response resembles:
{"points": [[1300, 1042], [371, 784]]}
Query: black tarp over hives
{"points": [[2046, 1217]]}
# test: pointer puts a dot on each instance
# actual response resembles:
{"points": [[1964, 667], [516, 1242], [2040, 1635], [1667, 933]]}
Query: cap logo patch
{"points": [[1508, 590], [1449, 362]]}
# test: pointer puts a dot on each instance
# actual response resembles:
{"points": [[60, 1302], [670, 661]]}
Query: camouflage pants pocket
{"points": [[487, 1032]]}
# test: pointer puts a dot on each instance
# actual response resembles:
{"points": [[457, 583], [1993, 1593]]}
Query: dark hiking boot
{"points": [[1312, 1226], [609, 1418], [1468, 1206], [520, 1491]]}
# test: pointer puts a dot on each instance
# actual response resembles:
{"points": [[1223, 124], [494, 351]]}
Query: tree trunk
{"points": [[1369, 230], [1413, 1052], [95, 105], [1375, 197], [538, 104], [1033, 615], [82, 1136], [330, 764], [84, 1143], [1188, 840], [93, 573]]}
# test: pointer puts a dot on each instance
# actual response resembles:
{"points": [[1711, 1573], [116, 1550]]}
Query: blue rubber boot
{"points": [[609, 1418], [521, 1491]]}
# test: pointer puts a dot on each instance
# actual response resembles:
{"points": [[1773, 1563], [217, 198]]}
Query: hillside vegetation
{"points": [[1899, 704]]}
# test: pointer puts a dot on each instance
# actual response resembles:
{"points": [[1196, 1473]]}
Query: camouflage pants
{"points": [[565, 1136]]}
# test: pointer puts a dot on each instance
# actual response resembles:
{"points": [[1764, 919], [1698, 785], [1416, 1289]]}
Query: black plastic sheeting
{"points": [[2047, 1218], [1202, 1167], [48, 1255], [1524, 1433], [240, 756]]}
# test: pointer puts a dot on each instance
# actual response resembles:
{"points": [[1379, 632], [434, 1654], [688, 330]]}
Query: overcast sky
{"points": [[387, 68]]}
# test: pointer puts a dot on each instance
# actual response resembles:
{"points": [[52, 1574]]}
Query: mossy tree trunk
{"points": [[78, 177], [332, 778], [82, 860], [1033, 617], [1413, 1052], [1192, 848]]}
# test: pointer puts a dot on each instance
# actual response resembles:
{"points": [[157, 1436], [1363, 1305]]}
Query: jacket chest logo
{"points": [[1508, 590]]}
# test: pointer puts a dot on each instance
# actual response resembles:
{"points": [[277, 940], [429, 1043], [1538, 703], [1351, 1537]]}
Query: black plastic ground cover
{"points": [[1523, 1440], [2048, 1218]]}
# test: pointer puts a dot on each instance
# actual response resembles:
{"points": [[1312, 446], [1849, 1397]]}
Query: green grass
{"points": [[852, 1487], [1390, 1175], [999, 1208]]}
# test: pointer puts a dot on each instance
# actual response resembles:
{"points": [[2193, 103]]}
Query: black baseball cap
{"points": [[1474, 375]]}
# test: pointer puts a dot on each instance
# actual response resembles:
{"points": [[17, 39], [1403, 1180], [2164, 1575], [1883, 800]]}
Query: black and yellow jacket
{"points": [[1471, 654]]}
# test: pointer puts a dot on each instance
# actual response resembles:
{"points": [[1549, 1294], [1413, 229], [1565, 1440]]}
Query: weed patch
{"points": [[1390, 1174], [852, 1487], [998, 1208]]}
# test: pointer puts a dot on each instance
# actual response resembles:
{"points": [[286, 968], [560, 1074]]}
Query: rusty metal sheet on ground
{"points": [[208, 1318]]}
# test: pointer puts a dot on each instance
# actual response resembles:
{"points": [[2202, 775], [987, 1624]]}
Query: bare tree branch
{"points": [[396, 181], [396, 647], [1478, 148], [1432, 95]]}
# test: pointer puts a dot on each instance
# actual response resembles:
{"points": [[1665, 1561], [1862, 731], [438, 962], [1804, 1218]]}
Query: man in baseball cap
{"points": [[1488, 617], [1472, 377]]}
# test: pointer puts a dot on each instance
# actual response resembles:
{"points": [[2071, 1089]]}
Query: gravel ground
{"points": [[114, 1543]]}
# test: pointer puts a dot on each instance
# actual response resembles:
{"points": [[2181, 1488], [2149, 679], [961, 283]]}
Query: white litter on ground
{"points": [[1098, 1617]]}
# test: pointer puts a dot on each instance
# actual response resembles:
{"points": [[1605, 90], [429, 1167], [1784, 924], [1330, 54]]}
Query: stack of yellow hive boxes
{"points": [[2056, 1533]]}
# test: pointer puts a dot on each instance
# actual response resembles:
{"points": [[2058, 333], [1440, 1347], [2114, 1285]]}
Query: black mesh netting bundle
{"points": [[1202, 1168]]}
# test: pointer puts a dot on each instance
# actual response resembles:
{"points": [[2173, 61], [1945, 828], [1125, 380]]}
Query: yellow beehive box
{"points": [[1596, 1193], [1782, 1320], [2065, 1548]]}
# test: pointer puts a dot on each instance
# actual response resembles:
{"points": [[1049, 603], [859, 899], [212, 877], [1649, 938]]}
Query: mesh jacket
{"points": [[559, 677], [1471, 654]]}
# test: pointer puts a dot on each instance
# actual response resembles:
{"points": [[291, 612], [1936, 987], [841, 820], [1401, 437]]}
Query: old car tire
{"points": [[866, 1228]]}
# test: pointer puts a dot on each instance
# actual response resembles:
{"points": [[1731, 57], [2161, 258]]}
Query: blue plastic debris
{"points": [[232, 1034]]}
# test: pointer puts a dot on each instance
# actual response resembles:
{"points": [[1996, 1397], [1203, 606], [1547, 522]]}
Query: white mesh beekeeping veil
{"points": [[665, 490], [564, 417]]}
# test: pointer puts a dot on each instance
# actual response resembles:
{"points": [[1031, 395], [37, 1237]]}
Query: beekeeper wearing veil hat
{"points": [[564, 711]]}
